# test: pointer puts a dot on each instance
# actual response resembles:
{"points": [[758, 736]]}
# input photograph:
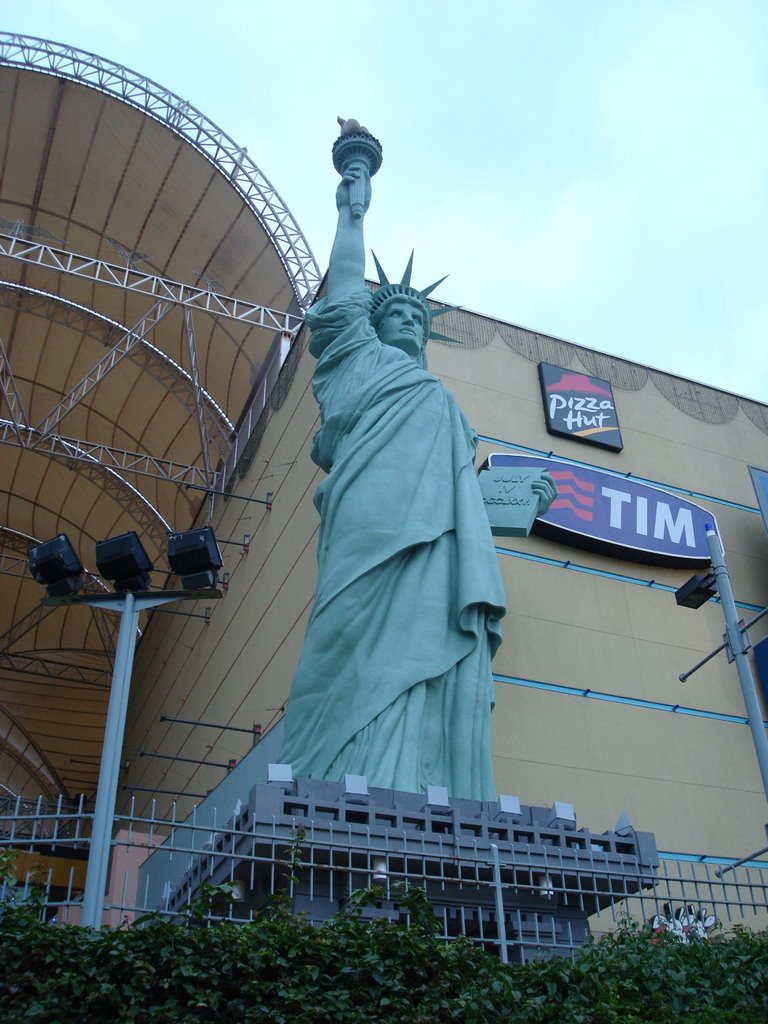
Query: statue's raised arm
{"points": [[357, 157]]}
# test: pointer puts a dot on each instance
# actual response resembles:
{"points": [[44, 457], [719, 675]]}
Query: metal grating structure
{"points": [[496, 871], [551, 894]]}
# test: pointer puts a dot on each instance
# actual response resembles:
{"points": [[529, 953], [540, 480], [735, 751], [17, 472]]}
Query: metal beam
{"points": [[189, 330], [14, 565], [118, 460], [104, 366], [133, 280], [104, 330], [48, 668], [17, 742], [15, 540], [88, 465], [178, 382], [23, 626], [10, 392]]}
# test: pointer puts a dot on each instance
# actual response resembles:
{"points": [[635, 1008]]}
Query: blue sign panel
{"points": [[579, 406], [761, 661], [618, 516], [760, 483]]}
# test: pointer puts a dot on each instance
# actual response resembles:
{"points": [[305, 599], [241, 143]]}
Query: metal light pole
{"points": [[129, 605], [738, 645]]}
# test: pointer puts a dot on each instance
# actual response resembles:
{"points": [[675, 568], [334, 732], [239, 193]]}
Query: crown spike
{"points": [[383, 279], [406, 279], [443, 310], [431, 287], [443, 337]]}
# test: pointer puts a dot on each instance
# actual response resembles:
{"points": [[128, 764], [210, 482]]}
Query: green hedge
{"points": [[280, 969]]}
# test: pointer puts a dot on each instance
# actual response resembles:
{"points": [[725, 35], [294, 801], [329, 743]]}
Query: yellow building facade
{"points": [[589, 706]]}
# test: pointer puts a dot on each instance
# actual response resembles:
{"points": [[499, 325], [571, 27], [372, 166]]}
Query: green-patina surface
{"points": [[512, 499], [394, 680]]}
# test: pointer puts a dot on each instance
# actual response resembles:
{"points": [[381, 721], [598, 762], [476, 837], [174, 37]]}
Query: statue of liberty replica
{"points": [[394, 680]]}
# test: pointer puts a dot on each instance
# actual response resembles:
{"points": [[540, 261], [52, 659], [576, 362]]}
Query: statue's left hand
{"points": [[546, 489]]}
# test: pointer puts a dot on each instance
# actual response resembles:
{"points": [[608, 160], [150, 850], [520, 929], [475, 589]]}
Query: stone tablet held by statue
{"points": [[515, 498]]}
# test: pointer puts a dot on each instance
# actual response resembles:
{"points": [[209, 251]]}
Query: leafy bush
{"points": [[280, 969]]}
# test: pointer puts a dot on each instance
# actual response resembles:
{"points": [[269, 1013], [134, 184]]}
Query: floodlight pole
{"points": [[129, 605], [738, 646]]}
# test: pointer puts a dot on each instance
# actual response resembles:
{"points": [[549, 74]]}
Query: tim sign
{"points": [[617, 516], [579, 406]]}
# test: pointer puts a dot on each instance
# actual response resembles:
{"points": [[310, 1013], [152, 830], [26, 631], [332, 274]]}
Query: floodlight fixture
{"points": [[56, 564], [696, 591], [194, 556], [124, 561]]}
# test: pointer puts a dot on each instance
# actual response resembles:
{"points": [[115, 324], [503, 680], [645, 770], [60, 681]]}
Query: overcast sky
{"points": [[592, 169]]}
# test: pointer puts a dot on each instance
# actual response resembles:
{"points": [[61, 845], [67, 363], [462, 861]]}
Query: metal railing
{"points": [[159, 863]]}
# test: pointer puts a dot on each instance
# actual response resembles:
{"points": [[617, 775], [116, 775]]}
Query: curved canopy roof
{"points": [[148, 272]]}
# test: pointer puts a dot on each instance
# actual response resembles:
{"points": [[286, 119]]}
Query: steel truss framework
{"points": [[35, 665], [17, 565], [14, 565], [88, 465], [31, 664], [108, 459], [145, 355], [16, 743], [14, 553], [17, 431], [107, 466], [231, 160], [159, 288], [104, 366], [97, 462], [10, 392], [173, 293]]}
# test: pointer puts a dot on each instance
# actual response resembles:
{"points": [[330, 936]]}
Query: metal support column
{"points": [[739, 646], [129, 605], [499, 895], [101, 835]]}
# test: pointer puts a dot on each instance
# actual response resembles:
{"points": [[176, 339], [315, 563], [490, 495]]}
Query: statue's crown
{"points": [[388, 290]]}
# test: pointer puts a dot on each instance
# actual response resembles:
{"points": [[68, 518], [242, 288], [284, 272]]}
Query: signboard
{"points": [[761, 661], [760, 483], [617, 516], [579, 406]]}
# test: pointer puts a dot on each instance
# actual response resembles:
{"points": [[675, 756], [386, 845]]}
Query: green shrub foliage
{"points": [[351, 971]]}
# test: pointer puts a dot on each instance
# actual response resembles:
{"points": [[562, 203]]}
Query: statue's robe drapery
{"points": [[394, 680]]}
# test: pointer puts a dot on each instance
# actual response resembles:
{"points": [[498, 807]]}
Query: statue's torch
{"points": [[356, 147]]}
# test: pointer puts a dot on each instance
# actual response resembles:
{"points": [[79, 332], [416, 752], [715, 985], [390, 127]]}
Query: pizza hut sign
{"points": [[579, 406], [616, 515]]}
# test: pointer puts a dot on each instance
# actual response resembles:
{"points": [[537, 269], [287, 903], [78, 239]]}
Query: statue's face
{"points": [[402, 326]]}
